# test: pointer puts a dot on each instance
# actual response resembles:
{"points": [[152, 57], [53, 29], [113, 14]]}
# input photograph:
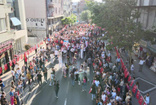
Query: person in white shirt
{"points": [[141, 63], [56, 53], [132, 69], [97, 83], [19, 71], [13, 75], [103, 97]]}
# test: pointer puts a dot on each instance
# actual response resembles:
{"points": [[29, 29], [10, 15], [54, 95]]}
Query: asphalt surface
{"points": [[68, 95]]}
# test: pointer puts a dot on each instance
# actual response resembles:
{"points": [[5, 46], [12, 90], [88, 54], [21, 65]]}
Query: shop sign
{"points": [[36, 22], [5, 48], [143, 43], [5, 44]]}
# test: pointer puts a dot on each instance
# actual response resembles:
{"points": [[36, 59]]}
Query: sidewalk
{"points": [[7, 78], [146, 79]]}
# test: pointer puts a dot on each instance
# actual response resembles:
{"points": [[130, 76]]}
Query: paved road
{"points": [[68, 95]]}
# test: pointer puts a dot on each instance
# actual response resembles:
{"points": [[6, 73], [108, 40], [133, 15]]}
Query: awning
{"points": [[15, 21]]}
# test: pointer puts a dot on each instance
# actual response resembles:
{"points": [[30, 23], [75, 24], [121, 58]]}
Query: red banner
{"points": [[140, 100], [138, 94], [144, 103], [14, 61], [10, 63], [129, 78], [134, 88], [0, 70], [5, 67], [132, 83], [17, 58]]}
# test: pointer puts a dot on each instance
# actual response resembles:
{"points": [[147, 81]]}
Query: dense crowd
{"points": [[108, 85]]}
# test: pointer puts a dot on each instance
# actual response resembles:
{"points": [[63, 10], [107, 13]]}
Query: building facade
{"points": [[12, 30], [55, 14], [36, 20], [67, 7], [147, 8]]}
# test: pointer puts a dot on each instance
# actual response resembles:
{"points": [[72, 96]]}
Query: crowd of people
{"points": [[80, 42]]}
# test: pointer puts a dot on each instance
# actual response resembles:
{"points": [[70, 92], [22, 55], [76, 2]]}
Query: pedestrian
{"points": [[84, 85], [11, 96], [141, 63], [16, 97], [52, 76], [45, 74], [13, 75], [57, 86], [29, 78], [93, 91], [72, 77], [39, 76], [132, 69], [147, 99]]}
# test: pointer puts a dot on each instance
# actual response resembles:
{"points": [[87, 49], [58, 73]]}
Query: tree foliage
{"points": [[118, 17], [85, 15], [69, 20]]}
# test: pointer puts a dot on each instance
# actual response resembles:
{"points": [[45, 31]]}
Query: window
{"points": [[1, 2], [2, 24]]}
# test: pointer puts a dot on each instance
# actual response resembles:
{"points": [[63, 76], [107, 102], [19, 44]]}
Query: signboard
{"points": [[36, 22]]}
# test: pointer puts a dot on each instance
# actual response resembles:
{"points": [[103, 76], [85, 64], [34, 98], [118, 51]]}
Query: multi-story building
{"points": [[67, 7], [36, 19], [75, 8], [12, 30], [55, 14], [147, 8], [42, 18]]}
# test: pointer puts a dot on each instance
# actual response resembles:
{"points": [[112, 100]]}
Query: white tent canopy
{"points": [[15, 21]]}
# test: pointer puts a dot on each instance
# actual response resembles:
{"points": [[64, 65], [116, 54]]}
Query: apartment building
{"points": [[36, 20], [12, 30], [67, 7], [55, 14], [147, 9]]}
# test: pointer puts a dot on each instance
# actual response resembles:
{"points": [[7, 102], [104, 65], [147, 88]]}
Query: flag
{"points": [[0, 70], [17, 58], [134, 88], [5, 67], [129, 78], [138, 94], [10, 63], [140, 100], [132, 83], [144, 103], [127, 73], [90, 90], [14, 61]]}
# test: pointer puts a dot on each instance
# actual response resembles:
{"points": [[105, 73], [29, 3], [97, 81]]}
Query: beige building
{"points": [[13, 34], [147, 8]]}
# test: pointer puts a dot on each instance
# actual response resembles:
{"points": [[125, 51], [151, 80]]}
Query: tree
{"points": [[69, 20], [66, 20], [73, 18], [118, 17], [85, 15]]}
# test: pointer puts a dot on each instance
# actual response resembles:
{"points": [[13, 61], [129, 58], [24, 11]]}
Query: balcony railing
{"points": [[51, 5]]}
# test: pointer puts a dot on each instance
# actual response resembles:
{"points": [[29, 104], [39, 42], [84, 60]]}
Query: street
{"points": [[68, 95]]}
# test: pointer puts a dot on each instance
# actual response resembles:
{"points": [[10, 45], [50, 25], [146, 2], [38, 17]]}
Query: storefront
{"points": [[151, 60], [6, 54]]}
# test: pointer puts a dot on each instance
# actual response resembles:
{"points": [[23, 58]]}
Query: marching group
{"points": [[108, 85]]}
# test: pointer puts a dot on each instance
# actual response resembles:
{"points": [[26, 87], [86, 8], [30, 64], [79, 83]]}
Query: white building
{"points": [[12, 29]]}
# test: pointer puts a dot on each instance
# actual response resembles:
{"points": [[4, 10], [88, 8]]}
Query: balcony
{"points": [[146, 3], [51, 5]]}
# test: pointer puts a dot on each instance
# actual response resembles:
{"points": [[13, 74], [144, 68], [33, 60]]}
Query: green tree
{"points": [[85, 15], [73, 18], [66, 20], [118, 17], [69, 20]]}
